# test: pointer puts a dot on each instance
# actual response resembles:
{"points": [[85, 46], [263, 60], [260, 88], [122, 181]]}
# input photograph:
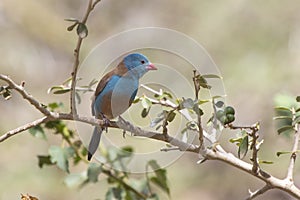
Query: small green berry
{"points": [[220, 114], [224, 120], [230, 118], [229, 110]]}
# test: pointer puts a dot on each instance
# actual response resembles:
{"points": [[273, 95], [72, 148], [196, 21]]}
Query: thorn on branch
{"points": [[258, 192]]}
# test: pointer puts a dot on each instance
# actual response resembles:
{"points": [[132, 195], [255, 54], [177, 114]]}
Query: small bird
{"points": [[116, 91]]}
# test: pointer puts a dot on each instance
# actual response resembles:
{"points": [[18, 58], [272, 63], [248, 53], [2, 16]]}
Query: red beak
{"points": [[151, 67]]}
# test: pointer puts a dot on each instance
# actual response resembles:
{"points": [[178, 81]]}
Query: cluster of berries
{"points": [[226, 115]]}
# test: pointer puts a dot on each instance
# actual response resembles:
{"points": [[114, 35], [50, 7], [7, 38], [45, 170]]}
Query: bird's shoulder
{"points": [[118, 71]]}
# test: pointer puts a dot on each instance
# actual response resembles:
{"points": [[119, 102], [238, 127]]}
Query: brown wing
{"points": [[120, 70]]}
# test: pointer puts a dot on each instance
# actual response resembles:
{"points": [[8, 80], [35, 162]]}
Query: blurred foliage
{"points": [[122, 186]]}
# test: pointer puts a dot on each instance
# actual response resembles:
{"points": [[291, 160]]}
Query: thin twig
{"points": [[291, 167], [234, 127], [90, 7], [199, 120], [258, 192], [255, 150], [23, 128]]}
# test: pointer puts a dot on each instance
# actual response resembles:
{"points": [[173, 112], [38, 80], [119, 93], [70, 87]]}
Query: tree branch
{"points": [[20, 89], [91, 6], [255, 150], [23, 128], [216, 153], [219, 154]]}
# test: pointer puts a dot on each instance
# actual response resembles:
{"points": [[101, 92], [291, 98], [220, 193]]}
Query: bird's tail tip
{"points": [[89, 157]]}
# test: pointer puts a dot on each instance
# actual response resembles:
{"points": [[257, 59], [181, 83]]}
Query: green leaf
{"points": [[153, 197], [93, 82], [146, 103], [200, 102], [161, 183], [136, 100], [77, 95], [265, 162], [53, 106], [154, 165], [1, 89], [211, 76], [53, 124], [167, 94], [82, 30], [158, 127], [155, 121], [145, 112], [283, 108], [5, 92], [243, 148], [202, 82], [62, 91], [219, 104], [7, 95], [70, 28], [54, 88], [192, 125], [75, 180], [160, 178], [60, 156], [38, 132], [93, 172], [279, 153], [125, 152], [284, 129], [114, 193], [197, 110], [171, 116], [298, 98], [282, 117], [188, 103], [44, 160], [71, 19], [236, 140]]}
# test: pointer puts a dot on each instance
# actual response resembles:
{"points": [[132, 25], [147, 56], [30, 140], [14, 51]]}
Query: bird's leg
{"points": [[106, 122]]}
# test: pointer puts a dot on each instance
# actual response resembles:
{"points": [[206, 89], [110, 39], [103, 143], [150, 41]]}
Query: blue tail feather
{"points": [[94, 142]]}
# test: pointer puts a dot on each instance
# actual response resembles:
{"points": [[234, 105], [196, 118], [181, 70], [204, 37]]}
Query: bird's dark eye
{"points": [[143, 62]]}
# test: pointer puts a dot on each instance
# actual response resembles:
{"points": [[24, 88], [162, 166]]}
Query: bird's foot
{"points": [[106, 122]]}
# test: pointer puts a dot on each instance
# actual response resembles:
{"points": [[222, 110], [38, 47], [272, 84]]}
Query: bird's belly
{"points": [[116, 101]]}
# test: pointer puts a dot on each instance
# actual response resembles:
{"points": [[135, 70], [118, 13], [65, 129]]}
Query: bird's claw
{"points": [[106, 122]]}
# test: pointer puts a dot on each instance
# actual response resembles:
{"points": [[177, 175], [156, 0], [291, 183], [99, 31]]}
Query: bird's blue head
{"points": [[138, 64]]}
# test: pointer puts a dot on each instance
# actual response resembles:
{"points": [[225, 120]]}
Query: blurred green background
{"points": [[254, 43]]}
